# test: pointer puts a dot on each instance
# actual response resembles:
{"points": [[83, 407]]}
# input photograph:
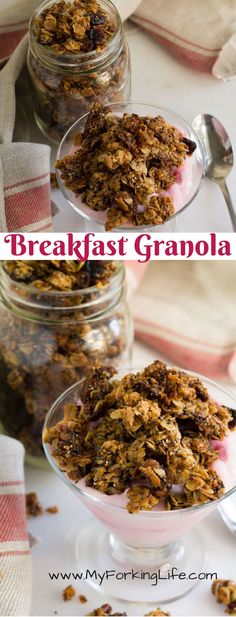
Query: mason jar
{"points": [[65, 86], [48, 340]]}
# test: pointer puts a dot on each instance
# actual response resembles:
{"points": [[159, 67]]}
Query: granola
{"points": [[124, 165], [52, 509], [148, 434], [75, 59], [73, 27], [33, 505], [60, 275], [158, 612], [68, 593], [53, 180], [225, 593], [48, 348], [105, 609]]}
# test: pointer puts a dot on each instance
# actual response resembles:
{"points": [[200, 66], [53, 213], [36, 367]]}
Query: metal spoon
{"points": [[219, 158]]}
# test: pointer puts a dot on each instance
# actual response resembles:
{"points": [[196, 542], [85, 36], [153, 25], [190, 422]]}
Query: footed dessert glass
{"points": [[153, 556], [95, 220]]}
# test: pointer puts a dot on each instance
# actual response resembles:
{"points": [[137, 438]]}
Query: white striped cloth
{"points": [[25, 203], [15, 557], [186, 311]]}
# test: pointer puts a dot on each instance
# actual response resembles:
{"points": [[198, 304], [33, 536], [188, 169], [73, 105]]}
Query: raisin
{"points": [[191, 145], [95, 35], [97, 20]]}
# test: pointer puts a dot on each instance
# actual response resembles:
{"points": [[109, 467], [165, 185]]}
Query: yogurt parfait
{"points": [[125, 169], [150, 455]]}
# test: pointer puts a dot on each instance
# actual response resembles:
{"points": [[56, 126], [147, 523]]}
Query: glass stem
{"points": [[161, 557]]}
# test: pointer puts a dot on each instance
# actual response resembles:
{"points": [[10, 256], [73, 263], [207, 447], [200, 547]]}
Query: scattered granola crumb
{"points": [[82, 599], [225, 593], [158, 612], [124, 165], [52, 509], [53, 180], [33, 506], [105, 609], [68, 593], [146, 433]]}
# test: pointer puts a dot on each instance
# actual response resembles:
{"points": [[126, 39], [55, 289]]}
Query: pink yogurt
{"points": [[157, 527]]}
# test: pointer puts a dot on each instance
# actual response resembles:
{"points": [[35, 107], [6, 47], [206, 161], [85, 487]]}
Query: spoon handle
{"points": [[225, 191]]}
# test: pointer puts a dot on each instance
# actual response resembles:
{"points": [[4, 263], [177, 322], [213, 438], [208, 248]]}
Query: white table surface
{"points": [[159, 78], [56, 550]]}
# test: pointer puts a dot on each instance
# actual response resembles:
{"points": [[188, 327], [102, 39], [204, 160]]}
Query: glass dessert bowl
{"points": [[125, 539], [136, 173]]}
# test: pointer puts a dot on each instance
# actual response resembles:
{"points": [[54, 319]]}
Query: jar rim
{"points": [[80, 58]]}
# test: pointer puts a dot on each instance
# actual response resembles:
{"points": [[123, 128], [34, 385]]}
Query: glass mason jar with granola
{"points": [[78, 55], [56, 319]]}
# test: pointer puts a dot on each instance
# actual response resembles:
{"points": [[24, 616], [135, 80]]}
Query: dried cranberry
{"points": [[106, 608], [191, 145], [232, 423], [231, 606]]}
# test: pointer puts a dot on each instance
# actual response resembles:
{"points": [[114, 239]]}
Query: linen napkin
{"points": [[15, 558], [201, 34], [24, 167], [186, 310]]}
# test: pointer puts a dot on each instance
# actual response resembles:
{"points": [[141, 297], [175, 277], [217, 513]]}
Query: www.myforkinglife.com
{"points": [[142, 575]]}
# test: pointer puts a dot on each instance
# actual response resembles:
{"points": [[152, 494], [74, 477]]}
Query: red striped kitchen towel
{"points": [[14, 19], [25, 203], [202, 34], [186, 310], [15, 558]]}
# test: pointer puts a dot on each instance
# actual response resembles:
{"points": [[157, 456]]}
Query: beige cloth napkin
{"points": [[202, 34], [24, 167], [15, 558], [186, 310]]}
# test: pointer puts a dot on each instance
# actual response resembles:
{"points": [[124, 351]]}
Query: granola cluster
{"points": [[45, 349], [33, 505], [225, 593], [124, 165], [149, 434], [60, 275], [65, 89], [73, 27], [158, 612]]}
